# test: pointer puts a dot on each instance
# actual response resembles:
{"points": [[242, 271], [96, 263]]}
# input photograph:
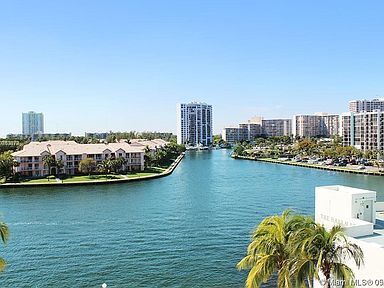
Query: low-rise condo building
{"points": [[70, 153]]}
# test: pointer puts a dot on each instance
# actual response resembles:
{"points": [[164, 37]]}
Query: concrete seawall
{"points": [[314, 166], [167, 172]]}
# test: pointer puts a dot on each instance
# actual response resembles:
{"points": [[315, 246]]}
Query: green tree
{"points": [[105, 166], [6, 165], [59, 166], [322, 252], [87, 166], [270, 250], [50, 162], [298, 250], [306, 146], [116, 165], [4, 235], [148, 157], [239, 150]]}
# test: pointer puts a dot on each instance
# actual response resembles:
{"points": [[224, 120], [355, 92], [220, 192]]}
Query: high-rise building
{"points": [[358, 106], [247, 131], [363, 130], [194, 124], [277, 127], [250, 130], [232, 135], [318, 125], [33, 123]]}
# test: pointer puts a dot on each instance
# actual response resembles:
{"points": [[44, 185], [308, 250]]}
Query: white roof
{"points": [[347, 189]]}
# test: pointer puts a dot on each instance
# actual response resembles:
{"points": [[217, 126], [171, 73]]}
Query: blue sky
{"points": [[123, 65]]}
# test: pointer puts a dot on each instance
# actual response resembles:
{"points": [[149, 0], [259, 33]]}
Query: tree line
{"points": [[285, 146]]}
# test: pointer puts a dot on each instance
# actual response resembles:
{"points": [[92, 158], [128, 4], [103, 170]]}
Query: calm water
{"points": [[186, 230]]}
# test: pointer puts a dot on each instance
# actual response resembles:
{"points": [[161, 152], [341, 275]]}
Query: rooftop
{"points": [[347, 189], [378, 232], [72, 148]]}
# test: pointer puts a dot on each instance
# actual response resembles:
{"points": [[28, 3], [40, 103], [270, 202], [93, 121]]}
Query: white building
{"points": [[358, 106], [33, 123], [232, 134], [363, 130], [356, 211], [277, 127], [318, 125], [194, 124], [247, 131]]}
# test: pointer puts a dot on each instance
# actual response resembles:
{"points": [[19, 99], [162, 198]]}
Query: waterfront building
{"points": [[250, 130], [277, 127], [358, 106], [194, 124], [70, 153], [364, 131], [247, 131], [231, 135], [257, 127], [362, 218], [33, 123], [317, 125]]}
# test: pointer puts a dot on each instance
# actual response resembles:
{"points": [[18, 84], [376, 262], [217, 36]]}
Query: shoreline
{"points": [[167, 172], [313, 166]]}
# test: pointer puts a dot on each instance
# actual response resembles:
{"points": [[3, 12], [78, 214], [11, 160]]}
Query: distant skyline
{"points": [[95, 66]]}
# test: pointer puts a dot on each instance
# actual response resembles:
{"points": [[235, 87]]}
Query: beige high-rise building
{"points": [[277, 127], [318, 125]]}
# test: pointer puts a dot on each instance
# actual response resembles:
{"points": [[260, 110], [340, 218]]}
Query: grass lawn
{"points": [[140, 174], [146, 172], [91, 178], [80, 178]]}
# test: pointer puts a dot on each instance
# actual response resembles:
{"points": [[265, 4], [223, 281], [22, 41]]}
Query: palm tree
{"points": [[270, 250], [105, 167], [323, 253], [148, 157], [59, 166], [50, 162], [4, 235]]}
